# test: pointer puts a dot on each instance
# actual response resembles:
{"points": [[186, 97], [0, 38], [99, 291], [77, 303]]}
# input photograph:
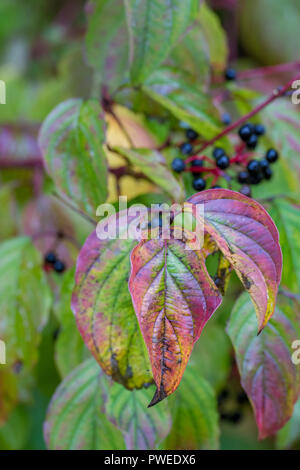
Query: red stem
{"points": [[275, 94], [268, 70]]}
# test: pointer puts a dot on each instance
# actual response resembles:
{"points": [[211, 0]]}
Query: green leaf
{"points": [[8, 393], [290, 433], [74, 419], [154, 28], [268, 375], [286, 217], [7, 213], [215, 37], [213, 363], [71, 139], [103, 308], [194, 413], [186, 102], [153, 165], [142, 428], [70, 350], [106, 40], [25, 300]]}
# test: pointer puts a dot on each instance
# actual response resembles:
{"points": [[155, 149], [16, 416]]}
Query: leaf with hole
{"points": [[247, 237]]}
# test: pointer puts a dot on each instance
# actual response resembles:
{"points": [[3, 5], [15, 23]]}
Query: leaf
{"points": [[142, 429], [7, 212], [106, 41], [290, 433], [286, 216], [71, 140], [248, 239], [194, 413], [153, 165], [74, 419], [186, 102], [8, 393], [103, 308], [212, 355], [173, 296], [215, 37], [70, 350], [154, 28], [268, 375], [25, 300]]}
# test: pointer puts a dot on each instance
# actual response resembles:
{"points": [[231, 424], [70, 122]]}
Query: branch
{"points": [[275, 94], [268, 70]]}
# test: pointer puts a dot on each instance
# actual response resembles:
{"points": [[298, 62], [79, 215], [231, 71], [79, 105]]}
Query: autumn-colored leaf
{"points": [[173, 296], [103, 308], [248, 239], [268, 375]]}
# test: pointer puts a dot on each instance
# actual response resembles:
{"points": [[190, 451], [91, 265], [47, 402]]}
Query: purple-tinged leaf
{"points": [[248, 239], [173, 296], [103, 308], [268, 374]]}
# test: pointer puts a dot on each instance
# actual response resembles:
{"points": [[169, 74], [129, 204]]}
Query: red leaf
{"points": [[173, 296], [248, 238]]}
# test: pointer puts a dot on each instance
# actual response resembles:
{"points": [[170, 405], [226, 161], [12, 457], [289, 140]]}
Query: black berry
{"points": [[218, 152], [245, 132], [264, 164], [230, 74], [253, 167], [234, 417], [199, 184], [226, 119], [59, 266], [242, 398], [268, 173], [191, 134], [252, 141], [178, 165], [223, 395], [216, 186], [50, 258], [256, 179], [272, 155], [243, 177], [245, 190], [186, 148], [223, 162], [259, 129]]}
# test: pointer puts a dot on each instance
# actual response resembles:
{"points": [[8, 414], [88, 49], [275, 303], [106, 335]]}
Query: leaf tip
{"points": [[159, 395]]}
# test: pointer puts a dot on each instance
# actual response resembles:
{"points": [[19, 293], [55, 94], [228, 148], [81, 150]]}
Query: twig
{"points": [[289, 294], [268, 70], [275, 94], [75, 209]]}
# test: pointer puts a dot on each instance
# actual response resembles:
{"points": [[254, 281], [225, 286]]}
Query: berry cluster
{"points": [[231, 407], [248, 169], [52, 261]]}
